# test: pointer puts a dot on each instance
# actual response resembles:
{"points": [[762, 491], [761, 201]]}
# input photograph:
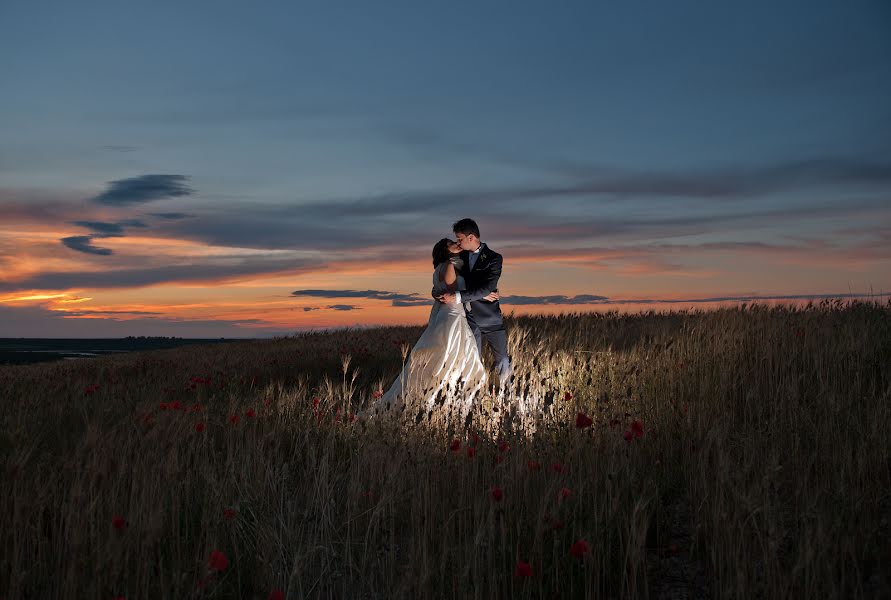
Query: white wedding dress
{"points": [[443, 371]]}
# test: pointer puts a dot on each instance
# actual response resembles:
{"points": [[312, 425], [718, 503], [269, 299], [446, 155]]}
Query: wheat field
{"points": [[734, 453]]}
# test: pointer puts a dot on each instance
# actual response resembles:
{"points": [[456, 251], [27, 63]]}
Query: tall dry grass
{"points": [[763, 469]]}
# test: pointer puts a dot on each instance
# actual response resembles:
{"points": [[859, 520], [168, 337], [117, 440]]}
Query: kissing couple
{"points": [[445, 366]]}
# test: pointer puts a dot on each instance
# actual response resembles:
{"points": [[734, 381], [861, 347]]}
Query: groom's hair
{"points": [[441, 251], [466, 226]]}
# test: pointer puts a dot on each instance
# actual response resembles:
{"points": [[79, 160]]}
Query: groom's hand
{"points": [[492, 297]]}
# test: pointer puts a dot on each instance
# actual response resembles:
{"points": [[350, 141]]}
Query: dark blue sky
{"points": [[645, 141]]}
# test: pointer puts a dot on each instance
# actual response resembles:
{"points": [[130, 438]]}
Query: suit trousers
{"points": [[497, 341]]}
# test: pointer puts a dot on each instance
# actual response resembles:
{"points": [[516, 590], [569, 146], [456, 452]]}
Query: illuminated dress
{"points": [[444, 371]]}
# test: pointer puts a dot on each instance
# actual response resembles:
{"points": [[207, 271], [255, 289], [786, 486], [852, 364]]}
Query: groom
{"points": [[481, 271]]}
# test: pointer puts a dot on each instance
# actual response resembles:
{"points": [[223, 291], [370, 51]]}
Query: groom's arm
{"points": [[488, 285]]}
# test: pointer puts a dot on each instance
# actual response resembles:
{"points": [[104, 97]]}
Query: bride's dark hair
{"points": [[441, 252]]}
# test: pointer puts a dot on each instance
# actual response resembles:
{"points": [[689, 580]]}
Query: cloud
{"points": [[109, 229], [580, 299], [343, 307], [171, 216], [83, 243], [228, 271], [144, 188], [368, 294]]}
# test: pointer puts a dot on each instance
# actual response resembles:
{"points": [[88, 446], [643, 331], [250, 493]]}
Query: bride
{"points": [[445, 362]]}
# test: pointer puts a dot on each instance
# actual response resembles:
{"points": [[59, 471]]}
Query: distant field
{"points": [[33, 350], [736, 453]]}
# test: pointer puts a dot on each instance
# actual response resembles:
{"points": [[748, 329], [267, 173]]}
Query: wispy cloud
{"points": [[84, 243], [207, 272], [366, 294], [171, 216], [145, 188], [343, 307]]}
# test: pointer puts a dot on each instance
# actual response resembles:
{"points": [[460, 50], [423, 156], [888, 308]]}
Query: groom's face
{"points": [[467, 242]]}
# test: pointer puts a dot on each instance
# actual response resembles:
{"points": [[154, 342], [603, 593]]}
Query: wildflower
{"points": [[197, 408], [250, 413], [579, 549], [582, 420], [199, 427], [471, 452], [503, 447], [316, 401], [556, 525], [276, 595], [558, 468], [499, 459], [567, 396], [229, 513], [234, 419], [377, 394], [455, 446], [565, 492], [628, 436], [218, 561], [534, 465], [475, 439], [119, 523], [497, 494], [613, 423], [163, 406], [523, 569], [175, 405], [637, 428]]}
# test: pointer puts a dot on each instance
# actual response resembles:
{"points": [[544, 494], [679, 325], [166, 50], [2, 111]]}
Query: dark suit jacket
{"points": [[480, 282]]}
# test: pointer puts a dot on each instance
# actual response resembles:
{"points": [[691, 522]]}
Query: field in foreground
{"points": [[739, 453]]}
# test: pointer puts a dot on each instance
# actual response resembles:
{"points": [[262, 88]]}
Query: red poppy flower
{"points": [[197, 407], [523, 569], [558, 468], [556, 524], [234, 419], [315, 402], [499, 459], [163, 406], [475, 439], [218, 561], [455, 446], [503, 447], [637, 428], [582, 420], [119, 523], [377, 394], [534, 465], [276, 595], [199, 427], [471, 452], [565, 492], [497, 494], [580, 549], [250, 413], [613, 423], [628, 436], [567, 396], [229, 513]]}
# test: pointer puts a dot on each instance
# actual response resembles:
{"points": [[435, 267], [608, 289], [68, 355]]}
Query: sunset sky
{"points": [[246, 169]]}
